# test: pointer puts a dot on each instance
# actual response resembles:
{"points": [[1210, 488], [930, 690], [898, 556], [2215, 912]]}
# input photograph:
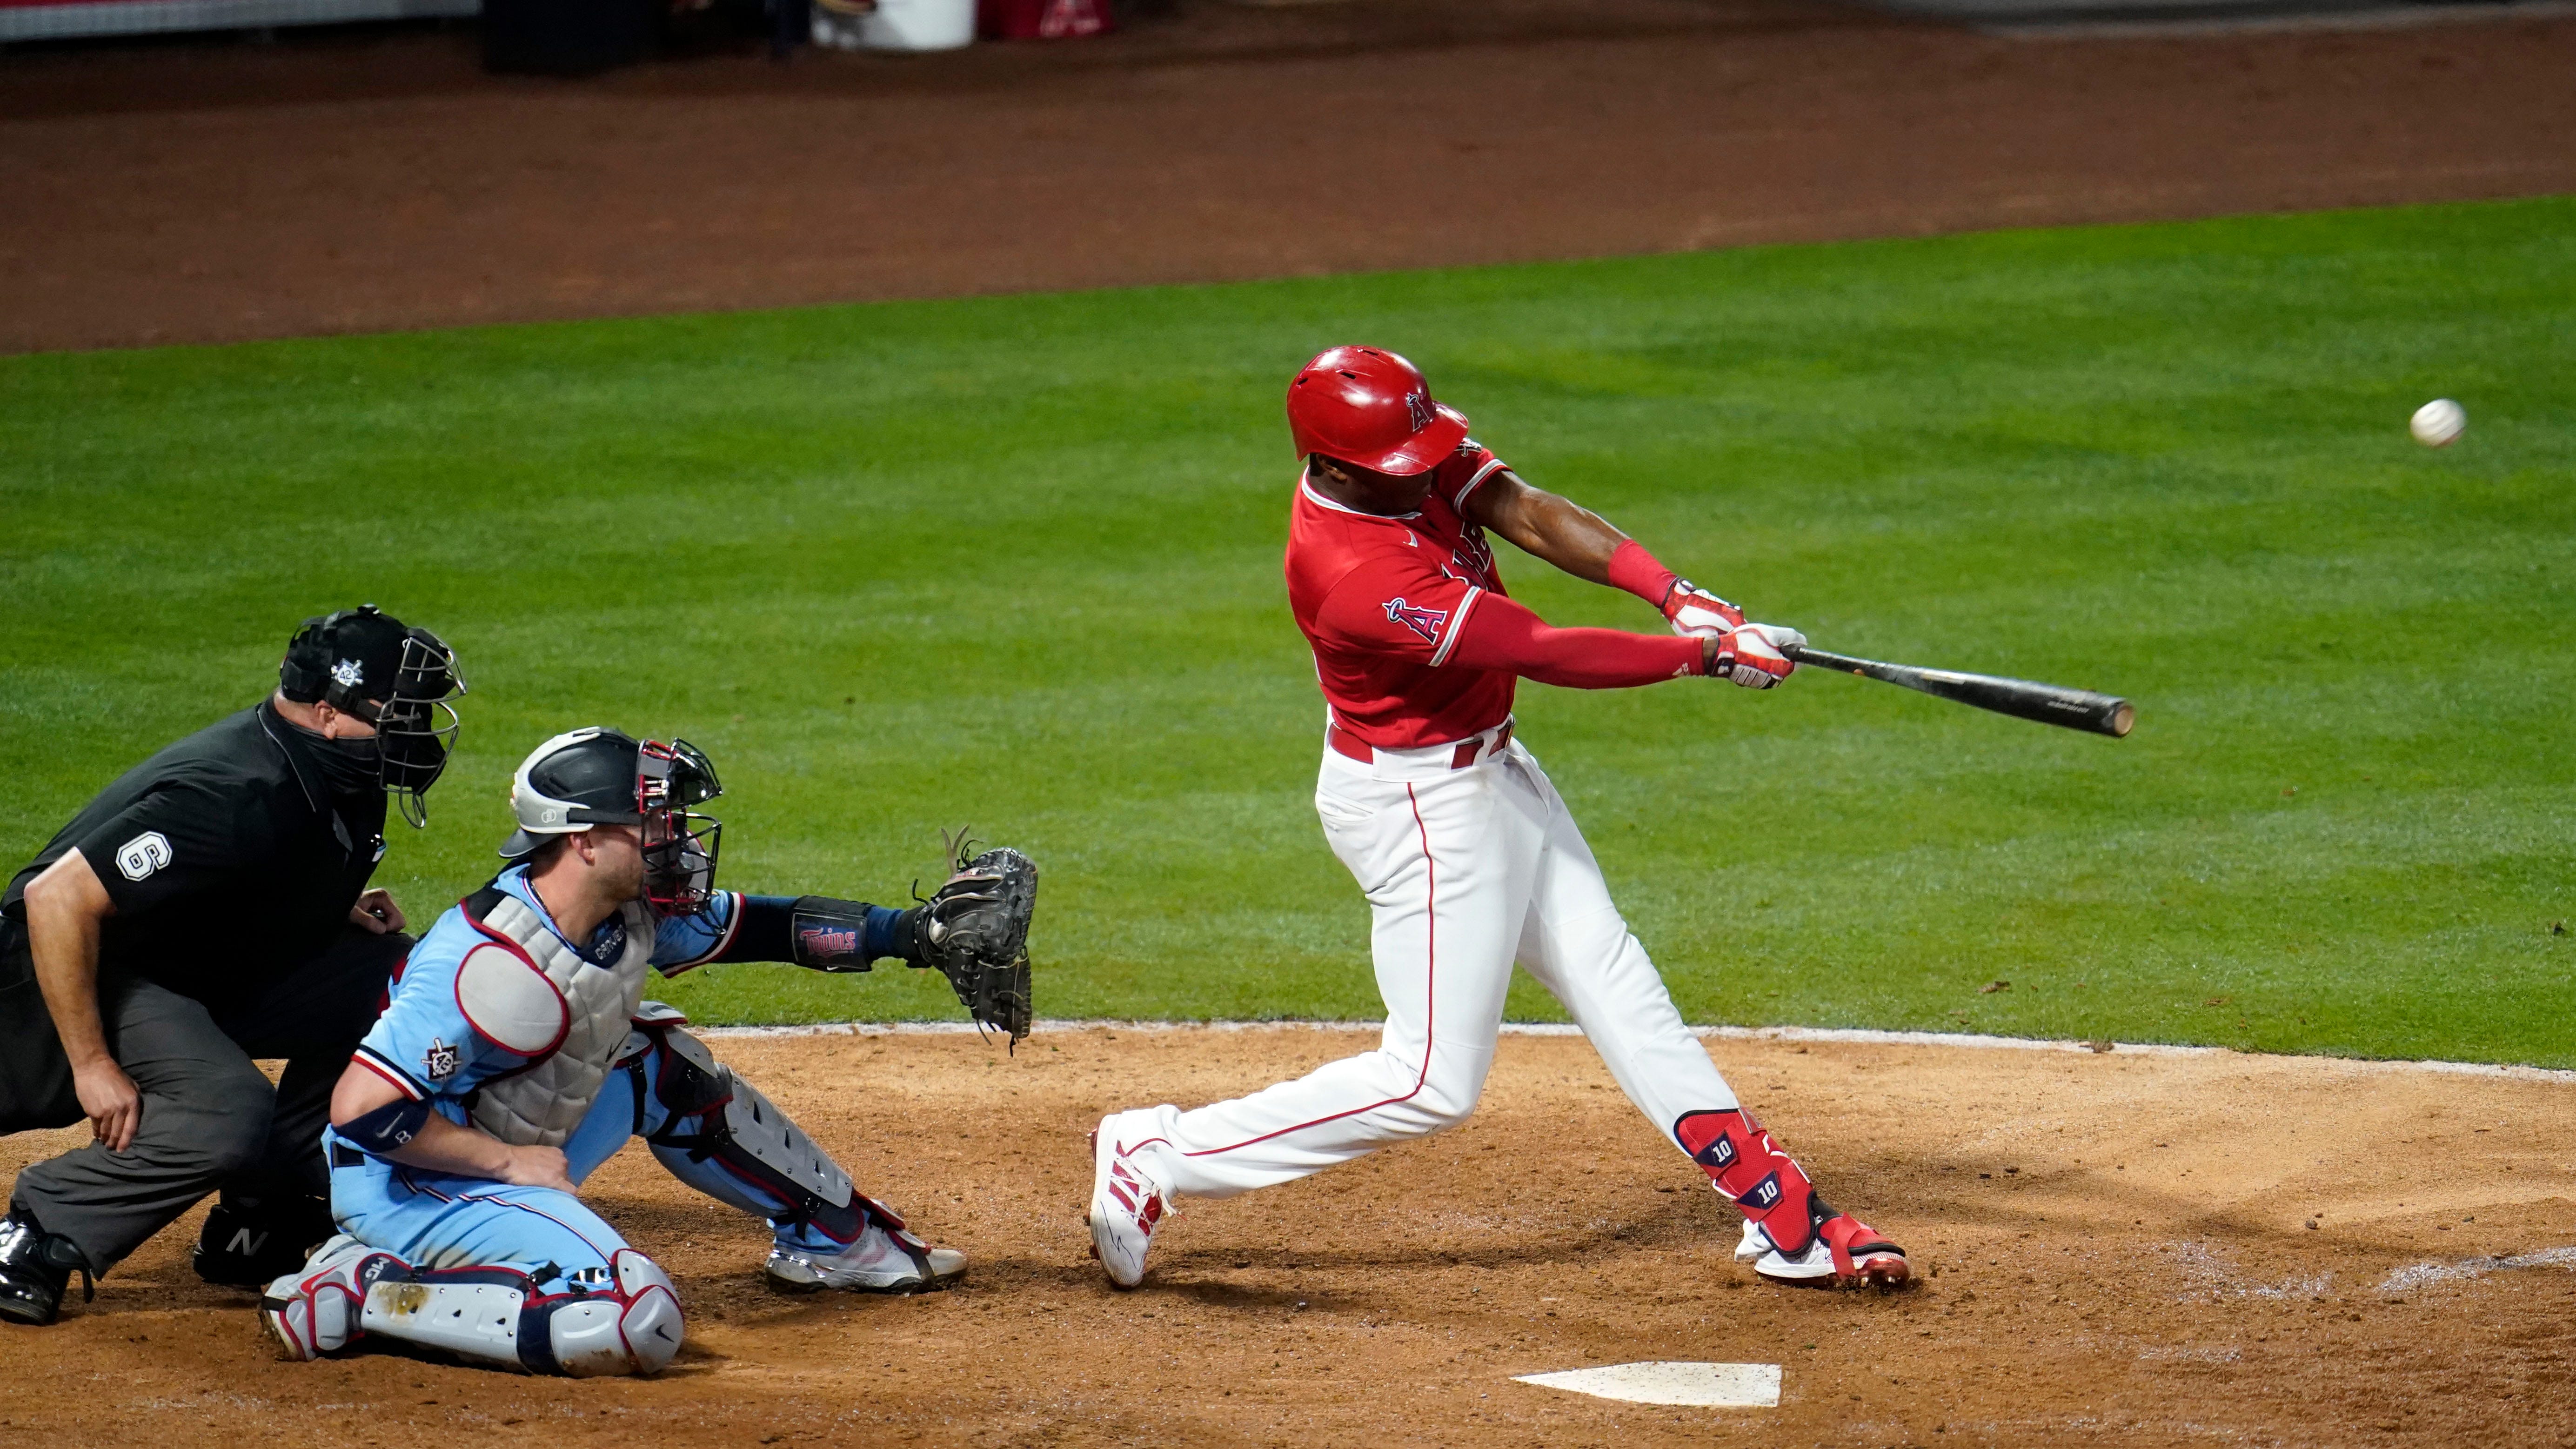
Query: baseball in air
{"points": [[2437, 424]]}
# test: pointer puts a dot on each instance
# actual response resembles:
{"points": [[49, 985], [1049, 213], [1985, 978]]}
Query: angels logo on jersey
{"points": [[1425, 622]]}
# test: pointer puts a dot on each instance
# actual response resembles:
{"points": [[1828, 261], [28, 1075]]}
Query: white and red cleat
{"points": [[1126, 1206], [1844, 1252]]}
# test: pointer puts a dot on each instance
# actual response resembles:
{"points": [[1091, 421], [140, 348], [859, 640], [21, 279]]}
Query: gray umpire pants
{"points": [[210, 1118]]}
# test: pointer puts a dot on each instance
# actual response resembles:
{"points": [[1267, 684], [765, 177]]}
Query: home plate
{"points": [[1709, 1385]]}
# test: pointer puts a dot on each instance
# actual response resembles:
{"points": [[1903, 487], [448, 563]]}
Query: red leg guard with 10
{"points": [[1764, 1183]]}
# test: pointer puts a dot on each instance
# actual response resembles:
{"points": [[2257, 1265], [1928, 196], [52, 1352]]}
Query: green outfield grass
{"points": [[1015, 561]]}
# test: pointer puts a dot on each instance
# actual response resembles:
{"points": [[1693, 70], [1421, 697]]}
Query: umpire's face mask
{"points": [[353, 768]]}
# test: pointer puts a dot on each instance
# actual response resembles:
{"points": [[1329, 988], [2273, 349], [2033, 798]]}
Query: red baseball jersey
{"points": [[1382, 601]]}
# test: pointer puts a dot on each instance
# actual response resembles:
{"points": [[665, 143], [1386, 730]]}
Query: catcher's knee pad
{"points": [[1764, 1183], [714, 1117], [627, 1323]]}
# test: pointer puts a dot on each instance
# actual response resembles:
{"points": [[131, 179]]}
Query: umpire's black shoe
{"points": [[250, 1245], [35, 1267]]}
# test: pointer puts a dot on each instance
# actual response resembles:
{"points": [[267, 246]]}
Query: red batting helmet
{"points": [[1370, 407]]}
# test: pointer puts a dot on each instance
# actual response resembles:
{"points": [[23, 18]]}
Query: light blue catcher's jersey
{"points": [[423, 1044]]}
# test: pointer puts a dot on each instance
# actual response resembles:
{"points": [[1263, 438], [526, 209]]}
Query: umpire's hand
{"points": [[377, 913], [108, 1095]]}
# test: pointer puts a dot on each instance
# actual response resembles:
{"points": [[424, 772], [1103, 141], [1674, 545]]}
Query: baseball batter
{"points": [[518, 1054], [1465, 851]]}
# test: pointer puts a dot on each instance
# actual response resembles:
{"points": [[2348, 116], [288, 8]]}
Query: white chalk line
{"points": [[2422, 1274], [1842, 1035]]}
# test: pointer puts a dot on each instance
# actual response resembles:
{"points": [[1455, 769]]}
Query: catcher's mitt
{"points": [[975, 930]]}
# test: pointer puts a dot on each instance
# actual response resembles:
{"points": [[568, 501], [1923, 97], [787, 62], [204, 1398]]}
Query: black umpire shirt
{"points": [[229, 858]]}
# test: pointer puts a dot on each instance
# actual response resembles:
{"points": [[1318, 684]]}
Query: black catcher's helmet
{"points": [[366, 663], [601, 776]]}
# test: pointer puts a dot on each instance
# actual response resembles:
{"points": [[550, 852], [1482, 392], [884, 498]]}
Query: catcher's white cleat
{"points": [[881, 1261], [314, 1310], [1126, 1207]]}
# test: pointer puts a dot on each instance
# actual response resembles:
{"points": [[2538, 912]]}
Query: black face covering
{"points": [[354, 769]]}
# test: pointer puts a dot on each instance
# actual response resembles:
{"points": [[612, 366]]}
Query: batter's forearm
{"points": [[65, 906], [1502, 635], [1543, 525]]}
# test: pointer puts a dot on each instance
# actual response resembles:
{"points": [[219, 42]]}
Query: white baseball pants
{"points": [[1466, 870]]}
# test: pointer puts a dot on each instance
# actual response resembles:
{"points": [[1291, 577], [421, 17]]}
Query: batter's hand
{"points": [[538, 1167], [1694, 610], [376, 913], [1752, 656], [108, 1095]]}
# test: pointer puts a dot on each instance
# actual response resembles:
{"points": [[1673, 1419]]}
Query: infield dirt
{"points": [[2148, 1249]]}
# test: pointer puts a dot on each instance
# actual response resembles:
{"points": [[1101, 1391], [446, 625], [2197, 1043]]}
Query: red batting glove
{"points": [[1751, 654], [1694, 610]]}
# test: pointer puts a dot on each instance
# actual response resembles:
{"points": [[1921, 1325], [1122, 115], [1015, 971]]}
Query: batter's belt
{"points": [[1427, 760]]}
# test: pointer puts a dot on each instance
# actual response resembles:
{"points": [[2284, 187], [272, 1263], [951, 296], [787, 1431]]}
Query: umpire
{"points": [[210, 907]]}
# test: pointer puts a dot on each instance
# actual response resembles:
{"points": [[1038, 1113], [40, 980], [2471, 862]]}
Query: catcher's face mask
{"points": [[679, 845]]}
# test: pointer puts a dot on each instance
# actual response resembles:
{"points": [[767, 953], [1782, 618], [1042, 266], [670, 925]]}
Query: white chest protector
{"points": [[524, 989]]}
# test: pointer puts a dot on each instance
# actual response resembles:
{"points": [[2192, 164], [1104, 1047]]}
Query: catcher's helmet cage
{"points": [[1369, 407], [679, 845], [366, 663], [601, 776]]}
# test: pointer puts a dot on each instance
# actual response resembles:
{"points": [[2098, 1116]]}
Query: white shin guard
{"points": [[628, 1322]]}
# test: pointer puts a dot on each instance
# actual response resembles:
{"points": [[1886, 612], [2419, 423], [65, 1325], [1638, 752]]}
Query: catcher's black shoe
{"points": [[251, 1245], [35, 1268]]}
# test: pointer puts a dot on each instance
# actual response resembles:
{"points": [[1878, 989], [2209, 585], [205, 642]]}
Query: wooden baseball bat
{"points": [[2074, 709]]}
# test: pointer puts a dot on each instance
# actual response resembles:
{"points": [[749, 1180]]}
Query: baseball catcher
{"points": [[518, 1053]]}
